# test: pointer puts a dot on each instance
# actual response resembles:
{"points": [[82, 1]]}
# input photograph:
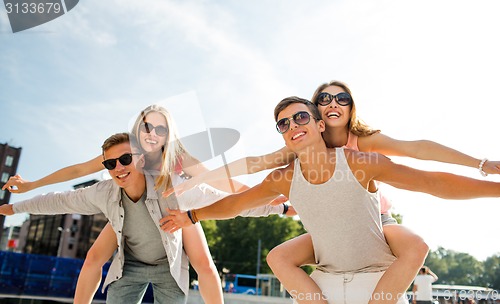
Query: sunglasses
{"points": [[125, 160], [342, 99], [301, 118], [148, 128]]}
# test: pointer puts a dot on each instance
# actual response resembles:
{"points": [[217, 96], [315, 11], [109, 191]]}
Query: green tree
{"points": [[210, 229], [455, 268], [398, 217], [234, 243], [491, 276]]}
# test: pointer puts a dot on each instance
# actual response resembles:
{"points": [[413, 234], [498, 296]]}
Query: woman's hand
{"points": [[491, 167], [16, 184]]}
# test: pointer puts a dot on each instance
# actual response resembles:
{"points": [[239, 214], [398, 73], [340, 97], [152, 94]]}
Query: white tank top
{"points": [[343, 219]]}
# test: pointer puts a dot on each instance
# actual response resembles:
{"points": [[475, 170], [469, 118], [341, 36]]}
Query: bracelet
{"points": [[481, 164], [285, 208], [190, 215], [195, 218]]}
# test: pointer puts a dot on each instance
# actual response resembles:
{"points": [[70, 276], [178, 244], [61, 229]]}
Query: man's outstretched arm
{"points": [[228, 207]]}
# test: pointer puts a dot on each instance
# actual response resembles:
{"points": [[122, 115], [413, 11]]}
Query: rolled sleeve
{"points": [[82, 201]]}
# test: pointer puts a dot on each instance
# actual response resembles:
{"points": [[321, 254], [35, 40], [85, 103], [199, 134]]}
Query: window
{"points": [[9, 160], [5, 177]]}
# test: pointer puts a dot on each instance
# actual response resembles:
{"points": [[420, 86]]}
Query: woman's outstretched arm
{"points": [[424, 150], [220, 178], [16, 184]]}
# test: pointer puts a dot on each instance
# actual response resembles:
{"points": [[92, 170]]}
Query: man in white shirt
{"points": [[422, 286]]}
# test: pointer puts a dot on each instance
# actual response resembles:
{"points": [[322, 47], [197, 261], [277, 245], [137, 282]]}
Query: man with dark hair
{"points": [[145, 255], [329, 190]]}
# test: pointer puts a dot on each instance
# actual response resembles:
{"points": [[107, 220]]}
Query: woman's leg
{"points": [[285, 261], [196, 247], [410, 251], [91, 272]]}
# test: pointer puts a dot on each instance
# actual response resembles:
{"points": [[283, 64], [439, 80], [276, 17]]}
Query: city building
{"points": [[9, 159], [10, 238]]}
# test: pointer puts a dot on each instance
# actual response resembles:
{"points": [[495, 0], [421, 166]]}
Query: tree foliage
{"points": [[234, 243], [398, 217], [458, 268], [234, 246], [491, 277]]}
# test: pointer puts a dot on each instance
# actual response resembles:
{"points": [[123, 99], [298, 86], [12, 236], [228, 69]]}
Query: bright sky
{"points": [[418, 70]]}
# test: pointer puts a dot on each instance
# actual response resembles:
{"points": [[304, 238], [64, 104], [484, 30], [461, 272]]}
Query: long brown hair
{"points": [[356, 125]]}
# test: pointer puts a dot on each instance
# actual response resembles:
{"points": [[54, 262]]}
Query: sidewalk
{"points": [[235, 298]]}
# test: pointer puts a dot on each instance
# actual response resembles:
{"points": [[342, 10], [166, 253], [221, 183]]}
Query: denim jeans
{"points": [[131, 287]]}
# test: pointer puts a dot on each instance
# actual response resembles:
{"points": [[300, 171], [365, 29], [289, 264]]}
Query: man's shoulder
{"points": [[359, 154], [366, 161], [418, 279], [104, 184], [100, 186], [106, 188], [277, 174], [424, 278], [279, 180]]}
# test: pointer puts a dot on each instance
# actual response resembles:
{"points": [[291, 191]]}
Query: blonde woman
{"points": [[164, 156]]}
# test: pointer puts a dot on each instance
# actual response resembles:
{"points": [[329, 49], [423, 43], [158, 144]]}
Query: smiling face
{"points": [[335, 115], [129, 177], [299, 137], [152, 141]]}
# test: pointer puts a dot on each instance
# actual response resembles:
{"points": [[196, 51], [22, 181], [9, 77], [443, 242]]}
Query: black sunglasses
{"points": [[342, 99], [301, 118], [148, 128], [125, 160]]}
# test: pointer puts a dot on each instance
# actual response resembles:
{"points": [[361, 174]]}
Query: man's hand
{"points": [[6, 209], [175, 221], [21, 185]]}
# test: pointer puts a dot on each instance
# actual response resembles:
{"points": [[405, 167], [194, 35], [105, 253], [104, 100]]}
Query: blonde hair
{"points": [[356, 125], [172, 150]]}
